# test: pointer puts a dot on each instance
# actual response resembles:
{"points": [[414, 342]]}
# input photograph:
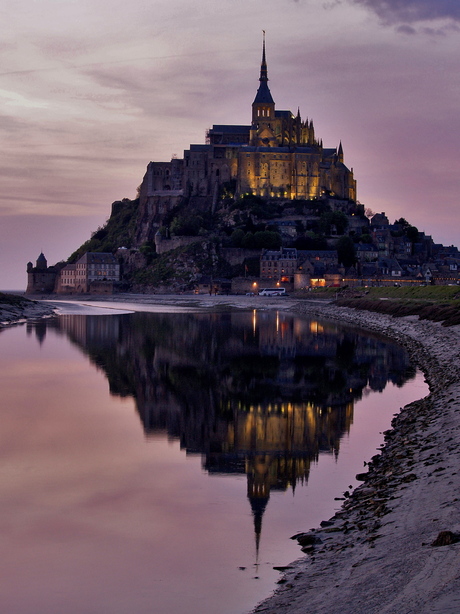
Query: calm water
{"points": [[159, 463]]}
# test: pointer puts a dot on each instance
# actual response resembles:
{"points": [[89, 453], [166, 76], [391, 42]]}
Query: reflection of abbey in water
{"points": [[224, 383], [259, 393]]}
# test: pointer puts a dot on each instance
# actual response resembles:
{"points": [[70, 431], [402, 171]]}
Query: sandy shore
{"points": [[381, 553]]}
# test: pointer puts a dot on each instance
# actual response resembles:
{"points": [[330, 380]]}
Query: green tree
{"points": [[267, 239], [346, 251], [310, 241], [248, 241], [148, 249], [333, 218], [237, 237], [186, 224], [411, 233], [402, 222]]}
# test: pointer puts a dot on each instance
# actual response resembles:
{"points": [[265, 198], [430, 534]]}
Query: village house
{"points": [[93, 272], [279, 265], [366, 252]]}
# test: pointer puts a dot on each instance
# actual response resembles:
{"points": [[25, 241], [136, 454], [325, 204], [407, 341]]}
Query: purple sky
{"points": [[92, 91]]}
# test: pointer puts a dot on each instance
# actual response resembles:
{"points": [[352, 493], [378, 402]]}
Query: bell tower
{"points": [[263, 110]]}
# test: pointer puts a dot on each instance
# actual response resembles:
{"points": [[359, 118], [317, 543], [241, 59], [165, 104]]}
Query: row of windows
{"points": [[109, 269], [107, 266], [263, 112], [271, 156]]}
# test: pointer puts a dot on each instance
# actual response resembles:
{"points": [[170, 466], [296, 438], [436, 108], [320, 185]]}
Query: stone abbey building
{"points": [[276, 156]]}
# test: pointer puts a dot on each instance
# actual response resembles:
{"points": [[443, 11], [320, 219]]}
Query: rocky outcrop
{"points": [[16, 308]]}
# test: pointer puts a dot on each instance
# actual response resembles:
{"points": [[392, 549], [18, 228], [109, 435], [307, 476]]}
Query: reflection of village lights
{"points": [[254, 321], [277, 321], [316, 328]]}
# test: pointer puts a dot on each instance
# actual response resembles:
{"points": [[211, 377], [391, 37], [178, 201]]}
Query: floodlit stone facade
{"points": [[276, 156]]}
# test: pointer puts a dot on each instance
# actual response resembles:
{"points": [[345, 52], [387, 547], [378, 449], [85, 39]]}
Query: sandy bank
{"points": [[146, 302], [377, 555]]}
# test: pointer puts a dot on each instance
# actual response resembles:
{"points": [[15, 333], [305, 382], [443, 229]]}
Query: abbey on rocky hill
{"points": [[277, 156]]}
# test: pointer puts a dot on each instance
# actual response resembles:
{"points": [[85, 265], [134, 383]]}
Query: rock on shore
{"points": [[394, 547], [21, 308]]}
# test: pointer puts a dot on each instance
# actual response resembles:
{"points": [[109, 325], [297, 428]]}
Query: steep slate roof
{"points": [[97, 258], [231, 129], [41, 261], [329, 152], [366, 247], [368, 269], [200, 147], [389, 263], [281, 254], [318, 253], [306, 149], [263, 93], [283, 114]]}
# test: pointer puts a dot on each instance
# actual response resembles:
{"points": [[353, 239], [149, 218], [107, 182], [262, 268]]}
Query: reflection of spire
{"points": [[40, 331], [258, 491], [258, 505], [39, 328]]}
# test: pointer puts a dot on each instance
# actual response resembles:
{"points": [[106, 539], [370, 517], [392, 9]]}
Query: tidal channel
{"points": [[158, 463]]}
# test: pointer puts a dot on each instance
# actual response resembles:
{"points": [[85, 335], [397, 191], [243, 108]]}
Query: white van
{"points": [[273, 292]]}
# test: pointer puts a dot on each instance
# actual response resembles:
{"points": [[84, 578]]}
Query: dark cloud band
{"points": [[413, 11]]}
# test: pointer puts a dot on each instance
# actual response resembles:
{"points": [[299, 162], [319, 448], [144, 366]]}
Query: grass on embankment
{"points": [[421, 293], [436, 303]]}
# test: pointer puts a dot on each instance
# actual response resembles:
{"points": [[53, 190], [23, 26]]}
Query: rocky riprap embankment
{"points": [[392, 548]]}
